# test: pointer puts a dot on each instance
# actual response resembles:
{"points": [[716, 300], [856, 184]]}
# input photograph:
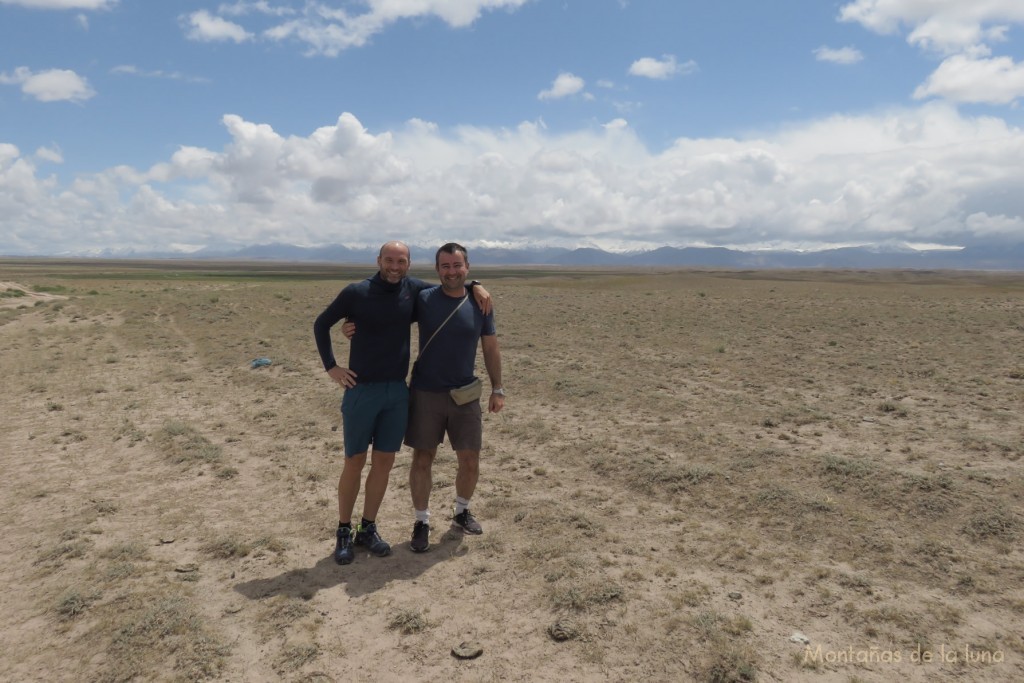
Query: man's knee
{"points": [[423, 459], [384, 459], [355, 462], [469, 461]]}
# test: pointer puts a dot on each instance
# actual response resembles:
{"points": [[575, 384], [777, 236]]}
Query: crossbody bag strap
{"points": [[442, 325]]}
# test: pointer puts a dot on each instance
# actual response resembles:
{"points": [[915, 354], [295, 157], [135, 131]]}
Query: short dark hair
{"points": [[450, 248]]}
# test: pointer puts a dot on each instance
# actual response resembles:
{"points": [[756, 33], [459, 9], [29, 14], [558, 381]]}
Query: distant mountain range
{"points": [[969, 258]]}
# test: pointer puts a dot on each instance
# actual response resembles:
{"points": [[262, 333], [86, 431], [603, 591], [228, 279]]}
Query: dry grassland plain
{"points": [[692, 468]]}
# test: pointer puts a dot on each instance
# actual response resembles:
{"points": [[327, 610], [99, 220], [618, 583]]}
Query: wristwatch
{"points": [[498, 392]]}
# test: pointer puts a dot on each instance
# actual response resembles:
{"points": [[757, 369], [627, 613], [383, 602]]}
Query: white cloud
{"points": [[666, 67], [842, 55], [132, 70], [205, 27], [244, 7], [328, 30], [960, 31], [963, 78], [83, 21], [928, 175], [62, 4], [50, 154], [949, 25], [53, 85], [564, 85], [985, 225]]}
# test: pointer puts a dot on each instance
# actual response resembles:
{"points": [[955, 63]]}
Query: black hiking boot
{"points": [[368, 536], [343, 553]]}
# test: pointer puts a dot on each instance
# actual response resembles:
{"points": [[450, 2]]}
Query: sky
{"points": [[134, 125]]}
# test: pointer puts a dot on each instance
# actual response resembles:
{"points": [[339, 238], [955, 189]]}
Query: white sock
{"points": [[461, 504], [423, 516]]}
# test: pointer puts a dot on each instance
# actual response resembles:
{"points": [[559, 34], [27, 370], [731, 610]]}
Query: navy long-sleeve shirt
{"points": [[382, 312]]}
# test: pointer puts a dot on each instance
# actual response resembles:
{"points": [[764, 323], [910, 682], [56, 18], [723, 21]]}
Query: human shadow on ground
{"points": [[366, 574]]}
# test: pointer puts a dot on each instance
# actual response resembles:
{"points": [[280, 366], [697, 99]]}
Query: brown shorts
{"points": [[432, 413]]}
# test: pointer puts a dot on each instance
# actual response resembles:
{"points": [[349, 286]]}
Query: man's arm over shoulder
{"points": [[481, 296], [417, 284]]}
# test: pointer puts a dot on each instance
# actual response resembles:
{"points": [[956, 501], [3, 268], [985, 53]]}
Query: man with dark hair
{"points": [[375, 405], [450, 325]]}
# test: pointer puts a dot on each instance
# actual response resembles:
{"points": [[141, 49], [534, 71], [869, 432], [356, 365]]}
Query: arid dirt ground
{"points": [[692, 467]]}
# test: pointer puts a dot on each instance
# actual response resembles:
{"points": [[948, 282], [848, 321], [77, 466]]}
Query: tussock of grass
{"points": [[995, 524], [129, 431], [408, 621], [585, 596], [182, 443], [649, 474], [74, 602], [157, 632], [55, 556], [282, 614], [727, 662], [840, 471], [130, 550], [295, 656], [724, 659], [226, 547]]}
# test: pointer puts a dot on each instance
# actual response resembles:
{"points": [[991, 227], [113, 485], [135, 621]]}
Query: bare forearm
{"points": [[492, 360]]}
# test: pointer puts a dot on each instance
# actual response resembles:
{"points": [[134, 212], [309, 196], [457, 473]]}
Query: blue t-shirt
{"points": [[450, 358], [382, 312]]}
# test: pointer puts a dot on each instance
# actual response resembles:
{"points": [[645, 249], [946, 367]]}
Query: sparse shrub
{"points": [[296, 656], [227, 547], [727, 662], [132, 550], [580, 598], [183, 444], [842, 471], [155, 628], [73, 602], [998, 523], [270, 543], [226, 473], [892, 408], [68, 550], [408, 621], [129, 431], [738, 625]]}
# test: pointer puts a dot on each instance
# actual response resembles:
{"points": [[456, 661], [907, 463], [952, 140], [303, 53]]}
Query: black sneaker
{"points": [[420, 537], [343, 553], [466, 523], [368, 536]]}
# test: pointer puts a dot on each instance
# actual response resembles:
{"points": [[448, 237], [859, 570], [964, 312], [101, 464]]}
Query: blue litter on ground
{"points": [[260, 362]]}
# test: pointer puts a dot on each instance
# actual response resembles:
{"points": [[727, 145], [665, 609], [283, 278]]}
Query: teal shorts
{"points": [[374, 413]]}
